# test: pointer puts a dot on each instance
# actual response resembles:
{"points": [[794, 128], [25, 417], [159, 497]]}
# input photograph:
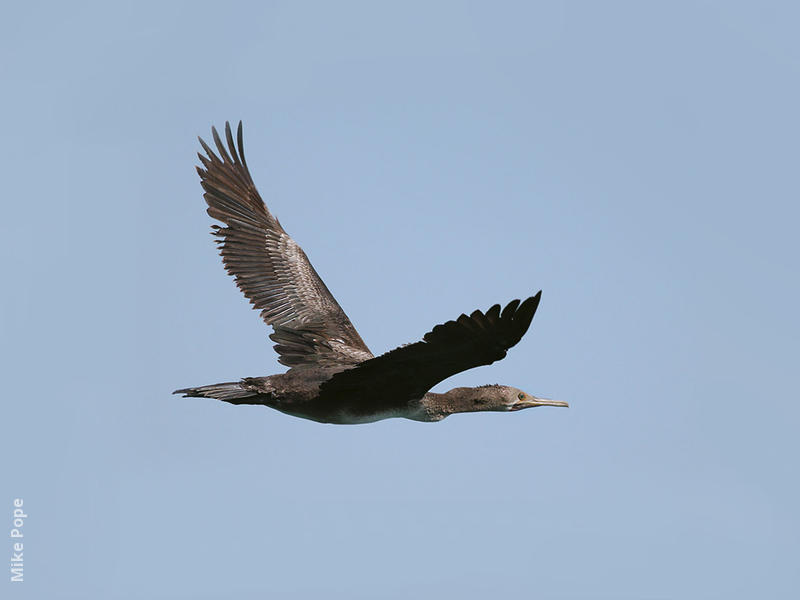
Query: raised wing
{"points": [[407, 372], [310, 327]]}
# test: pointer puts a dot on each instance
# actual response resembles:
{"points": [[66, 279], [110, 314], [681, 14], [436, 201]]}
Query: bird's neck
{"points": [[458, 400]]}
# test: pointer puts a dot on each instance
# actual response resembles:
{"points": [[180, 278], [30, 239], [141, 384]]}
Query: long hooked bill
{"points": [[531, 401]]}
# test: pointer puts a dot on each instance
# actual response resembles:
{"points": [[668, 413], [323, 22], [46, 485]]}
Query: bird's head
{"points": [[500, 398], [507, 398]]}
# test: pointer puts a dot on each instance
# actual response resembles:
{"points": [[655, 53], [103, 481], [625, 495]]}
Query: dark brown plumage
{"points": [[333, 376]]}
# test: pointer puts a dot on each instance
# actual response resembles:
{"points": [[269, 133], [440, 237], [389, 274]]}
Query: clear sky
{"points": [[637, 161]]}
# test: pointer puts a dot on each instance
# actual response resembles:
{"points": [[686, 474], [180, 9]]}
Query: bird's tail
{"points": [[233, 391]]}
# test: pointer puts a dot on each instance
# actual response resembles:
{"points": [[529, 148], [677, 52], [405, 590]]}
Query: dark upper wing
{"points": [[407, 372], [270, 268]]}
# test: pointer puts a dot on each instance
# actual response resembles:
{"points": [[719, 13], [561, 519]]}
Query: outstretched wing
{"points": [[407, 372], [270, 268]]}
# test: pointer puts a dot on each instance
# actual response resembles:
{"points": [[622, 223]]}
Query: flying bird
{"points": [[333, 376]]}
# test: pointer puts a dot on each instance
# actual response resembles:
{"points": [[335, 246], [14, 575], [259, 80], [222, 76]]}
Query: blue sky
{"points": [[635, 161]]}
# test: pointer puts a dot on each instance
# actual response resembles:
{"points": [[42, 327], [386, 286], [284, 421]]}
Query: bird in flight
{"points": [[333, 376]]}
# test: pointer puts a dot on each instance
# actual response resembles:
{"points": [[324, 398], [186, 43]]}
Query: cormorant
{"points": [[333, 376]]}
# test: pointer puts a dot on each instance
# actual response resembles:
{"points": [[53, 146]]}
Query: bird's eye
{"points": [[521, 395]]}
